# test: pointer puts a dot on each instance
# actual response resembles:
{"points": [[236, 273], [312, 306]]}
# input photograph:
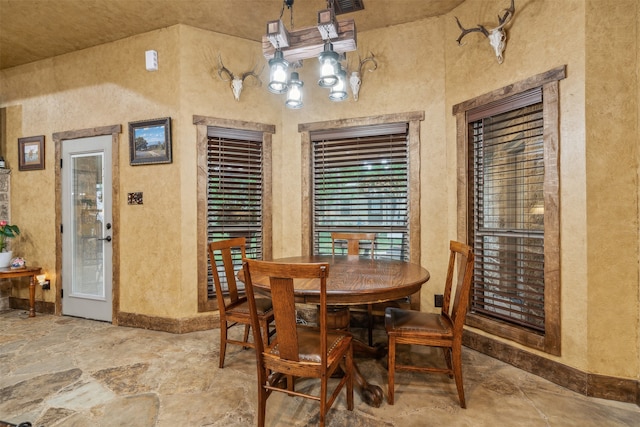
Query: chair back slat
{"points": [[284, 310], [353, 242], [222, 250], [460, 268]]}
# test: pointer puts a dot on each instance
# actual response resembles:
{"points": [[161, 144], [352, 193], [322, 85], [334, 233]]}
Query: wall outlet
{"points": [[438, 300]]}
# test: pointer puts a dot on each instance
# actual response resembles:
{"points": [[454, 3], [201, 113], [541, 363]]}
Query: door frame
{"points": [[59, 138]]}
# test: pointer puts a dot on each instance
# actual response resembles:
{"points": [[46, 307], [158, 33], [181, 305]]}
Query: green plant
{"points": [[7, 232]]}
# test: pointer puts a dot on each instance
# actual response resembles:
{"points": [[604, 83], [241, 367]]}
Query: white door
{"points": [[86, 228]]}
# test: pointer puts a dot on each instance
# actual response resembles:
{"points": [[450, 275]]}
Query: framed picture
{"points": [[150, 141], [31, 153]]}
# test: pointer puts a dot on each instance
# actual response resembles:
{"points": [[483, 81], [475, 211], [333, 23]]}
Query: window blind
{"points": [[508, 211], [234, 192], [360, 184]]}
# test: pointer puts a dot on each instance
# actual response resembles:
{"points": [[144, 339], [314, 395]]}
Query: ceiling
{"points": [[31, 30]]}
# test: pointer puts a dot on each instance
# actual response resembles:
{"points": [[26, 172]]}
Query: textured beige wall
{"points": [[612, 182], [421, 68]]}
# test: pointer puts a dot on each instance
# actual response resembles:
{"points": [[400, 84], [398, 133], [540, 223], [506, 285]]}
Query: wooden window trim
{"points": [[202, 123], [550, 341]]}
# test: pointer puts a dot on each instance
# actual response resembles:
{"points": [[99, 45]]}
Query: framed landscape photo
{"points": [[150, 141], [31, 153]]}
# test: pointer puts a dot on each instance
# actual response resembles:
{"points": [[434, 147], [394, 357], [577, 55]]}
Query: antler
{"points": [[370, 58], [502, 21], [223, 70], [506, 17], [253, 74], [466, 31]]}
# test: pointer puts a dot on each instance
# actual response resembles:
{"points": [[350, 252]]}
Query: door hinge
{"points": [[60, 228], [61, 293], [60, 163]]}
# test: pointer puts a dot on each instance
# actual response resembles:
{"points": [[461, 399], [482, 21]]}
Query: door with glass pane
{"points": [[86, 228]]}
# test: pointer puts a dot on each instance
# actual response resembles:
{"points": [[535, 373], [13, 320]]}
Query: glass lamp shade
{"points": [[328, 66], [339, 90], [278, 73], [294, 95]]}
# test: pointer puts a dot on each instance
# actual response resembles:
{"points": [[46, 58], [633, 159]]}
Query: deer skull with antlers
{"points": [[236, 82], [356, 76], [497, 36]]}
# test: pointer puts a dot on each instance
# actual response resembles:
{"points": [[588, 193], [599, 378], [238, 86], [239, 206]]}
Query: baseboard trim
{"points": [[43, 307], [588, 384], [165, 324]]}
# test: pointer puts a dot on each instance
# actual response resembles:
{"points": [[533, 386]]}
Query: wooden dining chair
{"points": [[234, 309], [297, 351], [442, 329]]}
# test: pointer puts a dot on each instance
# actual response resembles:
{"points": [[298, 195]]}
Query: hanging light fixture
{"points": [[328, 66], [327, 41], [278, 73], [339, 90], [294, 94]]}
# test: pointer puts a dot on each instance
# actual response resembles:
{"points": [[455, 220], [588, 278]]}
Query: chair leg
{"points": [[291, 383], [457, 372], [349, 372], [447, 358], [262, 400], [371, 323], [323, 400], [391, 367], [223, 342], [246, 333], [264, 326]]}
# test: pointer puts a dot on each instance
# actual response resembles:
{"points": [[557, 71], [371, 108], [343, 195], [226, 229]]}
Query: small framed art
{"points": [[31, 153], [150, 141]]}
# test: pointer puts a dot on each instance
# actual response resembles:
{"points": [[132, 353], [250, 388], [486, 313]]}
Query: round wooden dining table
{"points": [[354, 280]]}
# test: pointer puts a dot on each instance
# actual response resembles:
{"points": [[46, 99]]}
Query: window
{"points": [[511, 192], [234, 192], [506, 152], [348, 186], [360, 184], [234, 171]]}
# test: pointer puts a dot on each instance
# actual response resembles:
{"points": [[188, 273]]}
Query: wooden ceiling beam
{"points": [[307, 42]]}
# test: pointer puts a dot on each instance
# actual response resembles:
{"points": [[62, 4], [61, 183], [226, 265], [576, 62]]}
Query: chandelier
{"points": [[328, 41]]}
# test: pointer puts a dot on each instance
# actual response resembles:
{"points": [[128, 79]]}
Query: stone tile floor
{"points": [[63, 371]]}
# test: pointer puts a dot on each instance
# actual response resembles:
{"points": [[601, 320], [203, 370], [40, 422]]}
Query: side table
{"points": [[32, 272]]}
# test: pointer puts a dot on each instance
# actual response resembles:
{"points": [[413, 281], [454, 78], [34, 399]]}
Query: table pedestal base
{"points": [[338, 318]]}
